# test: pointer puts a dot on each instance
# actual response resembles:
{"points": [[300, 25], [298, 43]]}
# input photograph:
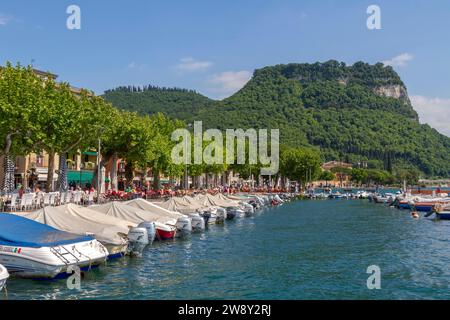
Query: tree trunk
{"points": [[207, 181], [197, 182], [129, 174], [50, 173], [9, 167], [156, 180], [63, 185], [113, 173]]}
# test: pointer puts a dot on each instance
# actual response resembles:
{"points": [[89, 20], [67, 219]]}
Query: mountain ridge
{"points": [[352, 113]]}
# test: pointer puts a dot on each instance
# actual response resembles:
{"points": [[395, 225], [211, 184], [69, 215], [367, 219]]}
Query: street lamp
{"points": [[98, 170], [186, 161], [81, 172]]}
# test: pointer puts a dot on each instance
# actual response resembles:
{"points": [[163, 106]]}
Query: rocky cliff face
{"points": [[393, 91]]}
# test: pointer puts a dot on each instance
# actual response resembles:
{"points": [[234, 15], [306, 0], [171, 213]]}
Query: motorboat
{"points": [[442, 211], [165, 227], [4, 275], [185, 224], [112, 232], [221, 201], [30, 249], [188, 206]]}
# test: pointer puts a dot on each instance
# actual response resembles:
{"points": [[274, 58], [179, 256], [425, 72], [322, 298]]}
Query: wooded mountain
{"points": [[358, 113]]}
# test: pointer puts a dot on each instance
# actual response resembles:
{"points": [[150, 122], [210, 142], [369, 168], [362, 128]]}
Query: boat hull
{"points": [[443, 215], [116, 251], [402, 205], [424, 207], [165, 234], [43, 263]]}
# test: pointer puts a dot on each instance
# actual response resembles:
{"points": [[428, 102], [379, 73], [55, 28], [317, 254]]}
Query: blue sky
{"points": [[214, 46]]}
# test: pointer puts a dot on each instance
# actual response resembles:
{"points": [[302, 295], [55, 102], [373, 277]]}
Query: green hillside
{"points": [[177, 103], [351, 113]]}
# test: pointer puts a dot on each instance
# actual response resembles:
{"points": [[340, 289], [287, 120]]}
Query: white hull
{"points": [[49, 262], [4, 275]]}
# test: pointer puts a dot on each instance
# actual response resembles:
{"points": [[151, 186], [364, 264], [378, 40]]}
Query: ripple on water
{"points": [[301, 250]]}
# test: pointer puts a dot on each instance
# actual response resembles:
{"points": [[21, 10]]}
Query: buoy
{"points": [[415, 215]]}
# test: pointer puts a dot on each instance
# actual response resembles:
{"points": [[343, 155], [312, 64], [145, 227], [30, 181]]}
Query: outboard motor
{"points": [[221, 215], [151, 230], [138, 240], [198, 223], [231, 213], [254, 204], [206, 216], [184, 226], [248, 208]]}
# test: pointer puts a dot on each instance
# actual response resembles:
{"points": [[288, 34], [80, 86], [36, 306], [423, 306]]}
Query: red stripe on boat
{"points": [[165, 235]]}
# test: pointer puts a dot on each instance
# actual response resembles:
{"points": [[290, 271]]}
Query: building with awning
{"points": [[80, 177]]}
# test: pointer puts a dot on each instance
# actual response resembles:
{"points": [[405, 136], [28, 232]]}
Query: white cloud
{"points": [[190, 64], [434, 111], [136, 66], [5, 19], [399, 61], [229, 82]]}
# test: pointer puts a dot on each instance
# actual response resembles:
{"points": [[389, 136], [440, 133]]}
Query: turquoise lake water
{"points": [[302, 250]]}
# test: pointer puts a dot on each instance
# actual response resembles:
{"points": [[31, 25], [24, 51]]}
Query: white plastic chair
{"points": [[46, 200], [29, 201], [38, 200], [22, 202], [68, 197], [91, 198], [12, 205], [53, 199], [63, 198], [77, 198]]}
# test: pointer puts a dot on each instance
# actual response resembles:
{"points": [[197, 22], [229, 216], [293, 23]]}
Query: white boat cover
{"points": [[80, 220], [153, 208], [241, 197], [133, 214], [209, 200], [225, 199], [183, 205]]}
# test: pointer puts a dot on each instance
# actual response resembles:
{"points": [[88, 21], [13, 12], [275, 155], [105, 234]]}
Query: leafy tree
{"points": [[21, 103], [302, 165], [359, 175], [327, 176]]}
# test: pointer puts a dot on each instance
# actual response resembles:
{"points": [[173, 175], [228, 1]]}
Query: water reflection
{"points": [[303, 250]]}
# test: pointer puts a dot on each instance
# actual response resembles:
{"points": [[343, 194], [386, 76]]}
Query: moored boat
{"points": [[30, 249], [165, 226], [184, 223], [442, 211], [110, 231], [444, 215], [164, 231], [404, 204]]}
